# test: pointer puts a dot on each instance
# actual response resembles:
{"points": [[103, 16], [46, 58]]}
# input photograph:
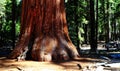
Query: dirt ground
{"points": [[13, 65]]}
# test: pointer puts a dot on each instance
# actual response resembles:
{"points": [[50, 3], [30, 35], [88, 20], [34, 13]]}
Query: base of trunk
{"points": [[47, 49]]}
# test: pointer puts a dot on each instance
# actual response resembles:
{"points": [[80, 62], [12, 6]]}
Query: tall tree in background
{"points": [[107, 24], [43, 23], [96, 22], [13, 22], [93, 41]]}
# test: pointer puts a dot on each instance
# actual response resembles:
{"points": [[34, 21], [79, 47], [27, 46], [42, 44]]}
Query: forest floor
{"points": [[87, 63], [13, 65]]}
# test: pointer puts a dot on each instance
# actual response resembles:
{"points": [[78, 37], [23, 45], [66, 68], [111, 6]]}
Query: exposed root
{"points": [[48, 49], [22, 56], [53, 49], [15, 53]]}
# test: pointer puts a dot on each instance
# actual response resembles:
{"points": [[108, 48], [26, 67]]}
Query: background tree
{"points": [[93, 41], [13, 21]]}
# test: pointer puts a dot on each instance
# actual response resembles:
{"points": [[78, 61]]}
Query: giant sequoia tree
{"points": [[44, 27]]}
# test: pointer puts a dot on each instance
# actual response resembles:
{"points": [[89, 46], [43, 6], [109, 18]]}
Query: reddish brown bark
{"points": [[44, 21]]}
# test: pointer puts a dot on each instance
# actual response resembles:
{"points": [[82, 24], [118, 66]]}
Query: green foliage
{"points": [[81, 31], [77, 17], [82, 10], [5, 29], [66, 1], [6, 20]]}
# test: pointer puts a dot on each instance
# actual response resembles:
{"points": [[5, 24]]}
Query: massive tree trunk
{"points": [[43, 23]]}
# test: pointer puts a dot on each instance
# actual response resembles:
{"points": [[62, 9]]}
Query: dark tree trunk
{"points": [[13, 22], [104, 14], [107, 24], [96, 23], [44, 21], [93, 42], [85, 35]]}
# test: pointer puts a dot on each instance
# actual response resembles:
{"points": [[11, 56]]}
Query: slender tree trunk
{"points": [[93, 43], [13, 22], [107, 23], [96, 22], [104, 19], [114, 28], [44, 22]]}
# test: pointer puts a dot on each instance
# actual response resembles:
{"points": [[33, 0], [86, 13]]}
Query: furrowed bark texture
{"points": [[44, 21]]}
